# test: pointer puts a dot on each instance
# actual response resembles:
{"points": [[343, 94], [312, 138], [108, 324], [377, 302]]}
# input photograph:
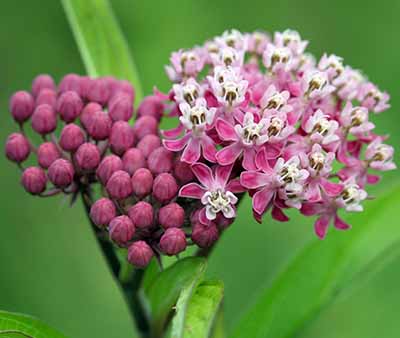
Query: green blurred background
{"points": [[50, 265]]}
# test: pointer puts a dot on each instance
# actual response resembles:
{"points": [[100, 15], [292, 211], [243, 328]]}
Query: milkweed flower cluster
{"points": [[254, 114]]}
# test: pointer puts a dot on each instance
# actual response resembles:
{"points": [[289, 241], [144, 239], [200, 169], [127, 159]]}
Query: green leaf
{"points": [[18, 325], [197, 310], [101, 43], [162, 293], [321, 271]]}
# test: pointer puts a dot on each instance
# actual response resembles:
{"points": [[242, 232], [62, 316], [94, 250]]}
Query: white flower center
{"points": [[275, 126], [316, 82], [276, 101], [289, 173], [322, 126], [280, 55], [218, 200], [383, 153], [352, 194], [358, 117], [317, 161], [230, 91], [190, 93], [251, 132]]}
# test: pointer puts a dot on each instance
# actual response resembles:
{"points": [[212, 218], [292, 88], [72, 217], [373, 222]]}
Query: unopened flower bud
{"points": [[183, 172], [44, 119], [119, 185], [61, 173], [71, 137], [171, 216], [151, 106], [69, 105], [47, 96], [102, 212], [121, 137], [21, 106], [17, 148], [87, 156], [142, 182], [42, 82], [98, 91], [173, 241], [70, 82], [141, 214], [120, 107], [165, 187], [125, 87], [121, 230], [222, 222], [34, 180], [204, 235], [47, 153], [108, 166], [145, 125], [100, 126], [132, 160], [148, 144], [160, 161], [140, 254], [88, 113]]}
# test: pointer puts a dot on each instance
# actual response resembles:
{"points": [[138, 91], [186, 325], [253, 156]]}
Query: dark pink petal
{"points": [[278, 214], [208, 147], [222, 174], [173, 133], [313, 193], [249, 159], [192, 190], [273, 150], [211, 99], [225, 130], [235, 187], [262, 161], [203, 174], [176, 145], [310, 209], [191, 154], [373, 179], [331, 189], [257, 217], [229, 154], [321, 226], [340, 224], [254, 179], [261, 200]]}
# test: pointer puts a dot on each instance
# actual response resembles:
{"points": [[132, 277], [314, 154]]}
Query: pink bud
{"points": [[151, 106], [71, 137], [160, 161], [88, 112], [47, 96], [61, 173], [141, 215], [109, 165], [47, 153], [100, 125], [69, 105], [148, 144], [173, 241], [125, 87], [41, 82], [132, 160], [222, 222], [99, 90], [70, 82], [183, 172], [121, 137], [87, 156], [120, 107], [165, 187], [44, 119], [145, 125], [121, 230], [119, 185], [21, 106], [142, 182], [171, 216], [84, 86], [34, 180], [140, 254], [102, 212], [17, 148], [204, 235]]}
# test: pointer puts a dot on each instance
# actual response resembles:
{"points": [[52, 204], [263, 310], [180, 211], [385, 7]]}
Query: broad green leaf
{"points": [[101, 43], [19, 325], [161, 295], [197, 310], [322, 270]]}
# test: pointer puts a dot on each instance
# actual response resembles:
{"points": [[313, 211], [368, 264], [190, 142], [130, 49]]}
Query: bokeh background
{"points": [[50, 264]]}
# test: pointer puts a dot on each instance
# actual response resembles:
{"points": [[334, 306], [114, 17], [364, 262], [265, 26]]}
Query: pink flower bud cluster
{"points": [[258, 113]]}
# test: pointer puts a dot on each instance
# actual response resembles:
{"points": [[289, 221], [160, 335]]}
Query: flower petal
{"points": [[234, 186], [261, 200], [173, 133], [229, 154], [208, 146], [176, 145], [340, 224], [262, 161], [222, 174], [249, 159], [278, 214], [254, 179], [321, 226], [331, 189], [192, 190], [203, 174], [192, 151], [225, 130]]}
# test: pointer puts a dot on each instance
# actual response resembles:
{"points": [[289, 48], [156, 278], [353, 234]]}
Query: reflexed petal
{"points": [[340, 224], [262, 161], [235, 186], [208, 147], [254, 179], [229, 154], [331, 189], [192, 151], [249, 159], [203, 174], [278, 214], [261, 200], [321, 226], [225, 130], [222, 174], [192, 190], [173, 133], [176, 145]]}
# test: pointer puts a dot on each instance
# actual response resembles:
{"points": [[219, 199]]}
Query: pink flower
{"points": [[215, 191], [372, 98], [188, 92], [195, 142], [273, 99], [380, 156], [184, 64], [257, 42], [292, 40], [315, 84], [321, 129], [333, 66], [355, 119], [228, 57], [277, 58], [233, 39]]}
